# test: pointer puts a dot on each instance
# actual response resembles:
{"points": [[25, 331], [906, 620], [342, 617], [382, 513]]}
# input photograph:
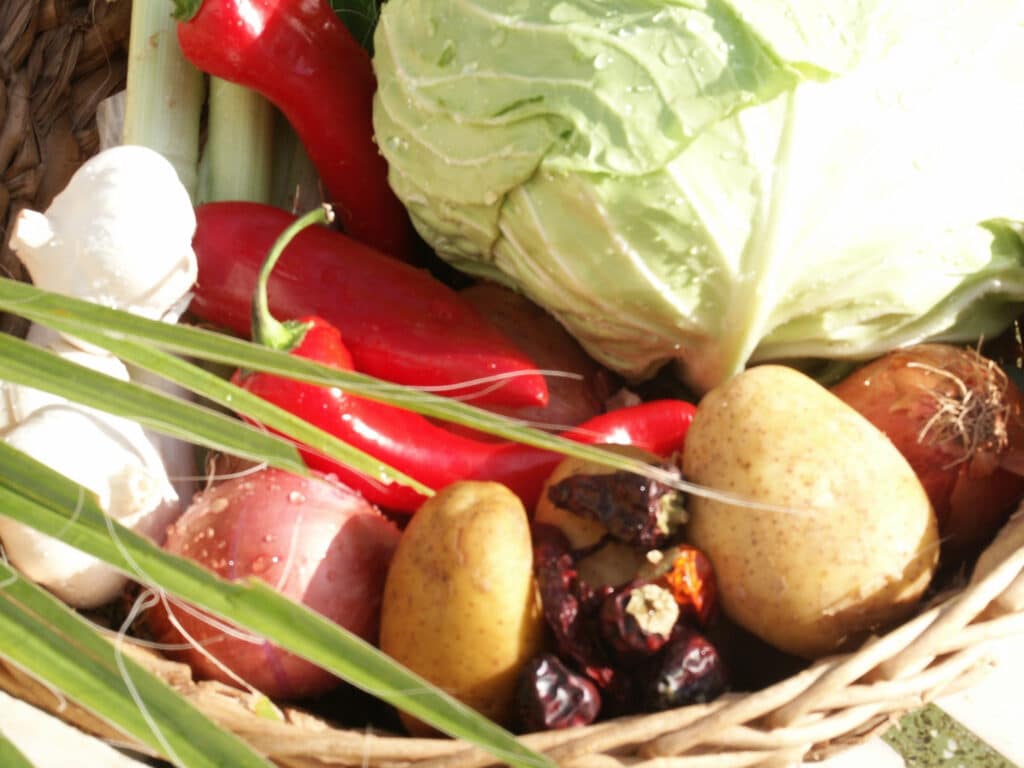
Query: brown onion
{"points": [[956, 417]]}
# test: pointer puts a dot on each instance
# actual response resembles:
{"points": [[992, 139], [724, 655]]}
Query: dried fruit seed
{"points": [[638, 619]]}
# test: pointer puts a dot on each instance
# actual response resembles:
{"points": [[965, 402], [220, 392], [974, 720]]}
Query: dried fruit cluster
{"points": [[635, 647]]}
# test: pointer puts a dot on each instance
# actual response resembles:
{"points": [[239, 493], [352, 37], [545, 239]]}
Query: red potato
{"points": [[571, 400], [957, 419], [313, 539]]}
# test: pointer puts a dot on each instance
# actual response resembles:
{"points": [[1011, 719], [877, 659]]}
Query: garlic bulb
{"points": [[109, 456], [18, 402], [119, 234]]}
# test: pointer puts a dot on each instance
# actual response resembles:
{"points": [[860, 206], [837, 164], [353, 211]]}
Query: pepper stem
{"points": [[266, 329], [184, 10]]}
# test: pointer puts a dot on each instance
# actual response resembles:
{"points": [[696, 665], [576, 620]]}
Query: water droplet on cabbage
{"points": [[671, 56], [447, 54]]}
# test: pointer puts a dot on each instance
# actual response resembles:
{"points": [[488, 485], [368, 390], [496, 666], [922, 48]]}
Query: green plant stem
{"points": [[164, 91], [10, 756], [266, 329], [296, 184], [56, 645], [237, 161]]}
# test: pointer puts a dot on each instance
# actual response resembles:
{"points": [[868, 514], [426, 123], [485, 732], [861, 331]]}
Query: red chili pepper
{"points": [[304, 61], [412, 443], [691, 579], [432, 454], [400, 324]]}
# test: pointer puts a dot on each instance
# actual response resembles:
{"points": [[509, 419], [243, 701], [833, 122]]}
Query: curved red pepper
{"points": [[428, 452], [400, 324], [304, 61]]}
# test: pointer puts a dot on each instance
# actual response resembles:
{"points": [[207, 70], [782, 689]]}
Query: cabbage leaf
{"points": [[718, 183]]}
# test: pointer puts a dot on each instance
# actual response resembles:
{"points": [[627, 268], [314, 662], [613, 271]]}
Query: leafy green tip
{"points": [[185, 10]]}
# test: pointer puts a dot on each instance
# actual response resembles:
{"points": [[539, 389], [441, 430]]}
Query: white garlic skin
{"points": [[17, 402], [109, 456], [119, 234]]}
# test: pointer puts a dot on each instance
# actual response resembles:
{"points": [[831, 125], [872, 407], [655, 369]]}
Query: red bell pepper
{"points": [[305, 62], [400, 324], [417, 446]]}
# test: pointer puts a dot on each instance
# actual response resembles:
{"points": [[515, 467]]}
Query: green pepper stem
{"points": [[184, 10], [266, 329]]}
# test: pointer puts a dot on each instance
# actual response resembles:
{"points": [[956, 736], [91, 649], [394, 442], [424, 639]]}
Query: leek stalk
{"points": [[165, 92], [237, 161]]}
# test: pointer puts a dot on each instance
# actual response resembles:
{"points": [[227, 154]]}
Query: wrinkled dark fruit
{"points": [[634, 509], [549, 696], [570, 605], [690, 672], [688, 574], [638, 620]]}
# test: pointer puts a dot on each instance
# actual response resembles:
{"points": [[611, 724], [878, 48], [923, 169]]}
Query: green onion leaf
{"points": [[108, 326], [56, 645], [10, 756], [29, 365]]}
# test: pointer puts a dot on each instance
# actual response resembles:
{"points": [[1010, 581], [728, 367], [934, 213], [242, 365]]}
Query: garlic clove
{"points": [[119, 234], [110, 457], [31, 230], [21, 401]]}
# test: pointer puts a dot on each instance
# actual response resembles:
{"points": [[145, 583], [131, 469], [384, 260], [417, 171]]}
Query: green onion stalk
{"points": [[237, 159], [165, 93]]}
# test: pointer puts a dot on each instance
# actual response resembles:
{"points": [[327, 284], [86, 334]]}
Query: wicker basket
{"points": [[58, 60]]}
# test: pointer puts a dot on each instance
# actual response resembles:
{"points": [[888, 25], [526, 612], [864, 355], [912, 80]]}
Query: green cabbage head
{"points": [[718, 182]]}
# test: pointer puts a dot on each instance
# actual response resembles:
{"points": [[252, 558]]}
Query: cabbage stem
{"points": [[164, 92]]}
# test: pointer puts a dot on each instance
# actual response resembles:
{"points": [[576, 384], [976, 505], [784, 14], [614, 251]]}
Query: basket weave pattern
{"points": [[58, 60]]}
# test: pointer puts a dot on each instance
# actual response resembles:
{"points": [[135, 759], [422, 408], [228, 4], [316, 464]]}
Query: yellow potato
{"points": [[460, 603], [855, 543], [615, 563]]}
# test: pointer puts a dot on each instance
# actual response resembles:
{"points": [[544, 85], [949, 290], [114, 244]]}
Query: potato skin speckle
{"points": [[858, 544], [460, 605]]}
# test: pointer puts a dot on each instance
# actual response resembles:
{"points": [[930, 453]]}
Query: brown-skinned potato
{"points": [[850, 541], [460, 605]]}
